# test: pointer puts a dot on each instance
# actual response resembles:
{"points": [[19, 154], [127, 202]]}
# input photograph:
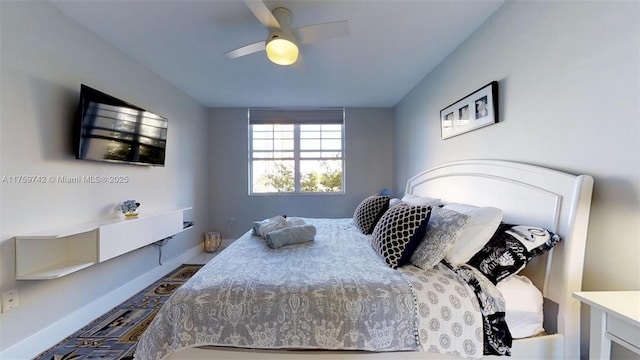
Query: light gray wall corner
{"points": [[45, 58], [569, 99]]}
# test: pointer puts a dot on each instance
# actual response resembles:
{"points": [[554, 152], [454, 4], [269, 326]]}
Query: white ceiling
{"points": [[391, 46]]}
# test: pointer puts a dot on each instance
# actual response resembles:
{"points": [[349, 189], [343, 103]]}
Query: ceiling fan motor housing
{"points": [[281, 45], [283, 15]]}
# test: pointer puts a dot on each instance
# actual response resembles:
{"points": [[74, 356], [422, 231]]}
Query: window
{"points": [[296, 151]]}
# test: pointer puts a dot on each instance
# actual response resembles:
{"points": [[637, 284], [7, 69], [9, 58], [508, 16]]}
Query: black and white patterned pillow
{"points": [[510, 249], [369, 211], [399, 232], [444, 228]]}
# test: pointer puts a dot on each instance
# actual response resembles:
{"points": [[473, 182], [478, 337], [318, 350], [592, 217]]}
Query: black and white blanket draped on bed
{"points": [[331, 293]]}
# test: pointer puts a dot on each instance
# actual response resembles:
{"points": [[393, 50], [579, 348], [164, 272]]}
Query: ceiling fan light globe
{"points": [[282, 51]]}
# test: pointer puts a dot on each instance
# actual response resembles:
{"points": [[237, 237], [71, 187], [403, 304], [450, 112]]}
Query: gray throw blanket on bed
{"points": [[331, 293], [290, 235], [263, 227]]}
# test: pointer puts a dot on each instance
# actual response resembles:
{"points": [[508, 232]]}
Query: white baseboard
{"points": [[49, 336]]}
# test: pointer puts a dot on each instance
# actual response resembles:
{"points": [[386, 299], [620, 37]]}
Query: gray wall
{"points": [[45, 58], [368, 160], [569, 99]]}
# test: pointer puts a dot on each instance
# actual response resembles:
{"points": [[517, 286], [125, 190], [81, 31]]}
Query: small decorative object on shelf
{"points": [[130, 209], [212, 241]]}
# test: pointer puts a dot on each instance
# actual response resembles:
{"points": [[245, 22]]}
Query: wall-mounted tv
{"points": [[112, 130]]}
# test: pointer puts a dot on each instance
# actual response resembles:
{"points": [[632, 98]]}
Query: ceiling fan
{"points": [[282, 43]]}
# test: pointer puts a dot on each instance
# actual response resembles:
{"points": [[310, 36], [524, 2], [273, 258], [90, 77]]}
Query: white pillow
{"points": [[482, 224], [523, 302], [394, 201], [415, 200]]}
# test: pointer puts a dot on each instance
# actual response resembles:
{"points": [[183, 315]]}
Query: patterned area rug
{"points": [[115, 334]]}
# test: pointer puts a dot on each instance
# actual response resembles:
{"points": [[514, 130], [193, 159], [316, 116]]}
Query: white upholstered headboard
{"points": [[528, 195]]}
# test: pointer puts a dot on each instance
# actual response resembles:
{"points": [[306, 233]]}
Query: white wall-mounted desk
{"points": [[56, 253], [615, 316]]}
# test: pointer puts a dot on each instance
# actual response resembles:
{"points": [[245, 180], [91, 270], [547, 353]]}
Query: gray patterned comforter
{"points": [[331, 293]]}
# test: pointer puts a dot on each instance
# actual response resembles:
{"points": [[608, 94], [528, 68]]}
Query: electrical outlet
{"points": [[10, 300]]}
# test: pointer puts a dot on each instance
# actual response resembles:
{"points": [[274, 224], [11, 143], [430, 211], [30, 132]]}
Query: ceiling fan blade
{"points": [[246, 50], [319, 32], [262, 12]]}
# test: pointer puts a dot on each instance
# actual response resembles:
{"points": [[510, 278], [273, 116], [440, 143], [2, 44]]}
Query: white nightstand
{"points": [[615, 316]]}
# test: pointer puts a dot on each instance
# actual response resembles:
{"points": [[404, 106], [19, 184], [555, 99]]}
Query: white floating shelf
{"points": [[56, 271], [53, 254]]}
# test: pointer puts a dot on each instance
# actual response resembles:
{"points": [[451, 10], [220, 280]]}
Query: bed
{"points": [[378, 311]]}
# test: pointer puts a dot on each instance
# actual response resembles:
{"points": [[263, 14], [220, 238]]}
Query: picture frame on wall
{"points": [[476, 110]]}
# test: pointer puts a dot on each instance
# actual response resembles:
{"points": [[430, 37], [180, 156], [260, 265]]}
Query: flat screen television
{"points": [[112, 130]]}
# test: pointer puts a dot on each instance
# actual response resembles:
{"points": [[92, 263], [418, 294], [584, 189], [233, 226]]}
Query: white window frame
{"points": [[296, 117]]}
